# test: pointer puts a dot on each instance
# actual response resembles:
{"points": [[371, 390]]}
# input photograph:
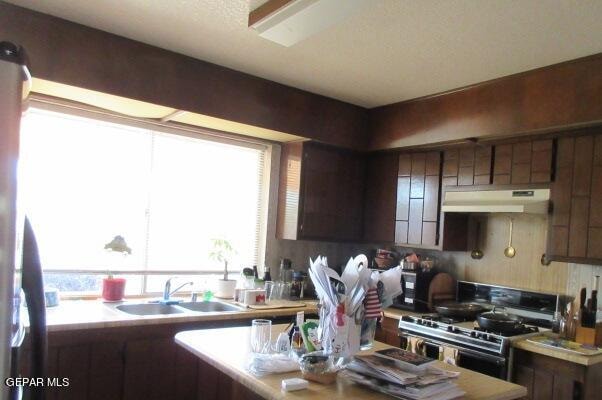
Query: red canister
{"points": [[113, 289]]}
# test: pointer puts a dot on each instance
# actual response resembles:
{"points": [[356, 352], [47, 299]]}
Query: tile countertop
{"points": [[95, 314], [228, 350], [521, 344], [560, 354]]}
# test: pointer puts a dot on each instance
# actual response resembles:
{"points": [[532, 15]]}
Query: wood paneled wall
{"points": [[524, 270], [73, 54], [548, 98]]}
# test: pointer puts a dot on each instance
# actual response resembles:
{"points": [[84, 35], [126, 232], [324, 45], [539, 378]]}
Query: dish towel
{"points": [[448, 355], [416, 346]]}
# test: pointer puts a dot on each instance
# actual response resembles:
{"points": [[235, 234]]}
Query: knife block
{"points": [[590, 336]]}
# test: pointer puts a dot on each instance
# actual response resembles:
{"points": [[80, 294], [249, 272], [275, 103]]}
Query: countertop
{"points": [[560, 354], [521, 344], [95, 314], [228, 350]]}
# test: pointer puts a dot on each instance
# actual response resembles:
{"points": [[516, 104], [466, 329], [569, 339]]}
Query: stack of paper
{"points": [[387, 376]]}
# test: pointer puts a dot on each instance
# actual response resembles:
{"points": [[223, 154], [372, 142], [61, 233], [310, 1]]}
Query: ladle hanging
{"points": [[510, 251], [477, 253]]}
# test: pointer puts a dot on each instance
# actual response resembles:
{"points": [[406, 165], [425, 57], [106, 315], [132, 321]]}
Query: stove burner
{"points": [[520, 330], [445, 319]]}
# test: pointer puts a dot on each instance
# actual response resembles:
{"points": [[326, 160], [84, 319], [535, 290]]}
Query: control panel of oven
{"points": [[454, 334]]}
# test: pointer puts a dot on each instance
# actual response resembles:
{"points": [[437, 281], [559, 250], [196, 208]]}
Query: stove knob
{"points": [[434, 325], [456, 330], [485, 336], [473, 334], [450, 328], [419, 321]]}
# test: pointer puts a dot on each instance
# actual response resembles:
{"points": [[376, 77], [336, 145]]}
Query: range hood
{"points": [[532, 201]]}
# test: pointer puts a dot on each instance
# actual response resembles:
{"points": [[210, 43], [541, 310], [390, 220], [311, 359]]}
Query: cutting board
{"points": [[564, 345], [277, 304]]}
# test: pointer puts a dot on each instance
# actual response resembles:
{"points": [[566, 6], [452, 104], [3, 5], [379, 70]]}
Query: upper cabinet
{"points": [[467, 166], [417, 205], [523, 162], [321, 193], [575, 232], [380, 197]]}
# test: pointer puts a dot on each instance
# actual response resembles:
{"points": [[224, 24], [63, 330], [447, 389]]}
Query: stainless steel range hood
{"points": [[532, 201]]}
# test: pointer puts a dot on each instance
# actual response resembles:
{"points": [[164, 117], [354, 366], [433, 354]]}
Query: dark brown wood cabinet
{"points": [[417, 204], [140, 362], [388, 332], [549, 378], [321, 194], [523, 162], [467, 166], [575, 232], [379, 197]]}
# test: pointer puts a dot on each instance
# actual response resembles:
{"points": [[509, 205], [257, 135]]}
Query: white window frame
{"points": [[81, 110]]}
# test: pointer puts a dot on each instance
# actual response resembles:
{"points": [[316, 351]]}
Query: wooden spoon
{"points": [[510, 251]]}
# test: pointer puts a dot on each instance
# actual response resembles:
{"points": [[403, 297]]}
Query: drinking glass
{"points": [[268, 285], [275, 291], [261, 335], [285, 291]]}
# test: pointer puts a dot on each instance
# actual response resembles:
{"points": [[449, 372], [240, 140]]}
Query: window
{"points": [[84, 181]]}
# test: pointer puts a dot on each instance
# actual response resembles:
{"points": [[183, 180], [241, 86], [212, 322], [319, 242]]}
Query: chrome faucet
{"points": [[167, 292]]}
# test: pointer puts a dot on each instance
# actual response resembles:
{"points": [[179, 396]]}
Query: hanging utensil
{"points": [[477, 253], [510, 251]]}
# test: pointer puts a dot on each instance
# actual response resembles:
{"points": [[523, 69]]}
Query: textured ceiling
{"points": [[391, 51]]}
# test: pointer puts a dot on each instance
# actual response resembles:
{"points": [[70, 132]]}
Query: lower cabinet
{"points": [[388, 332], [133, 363], [550, 378]]}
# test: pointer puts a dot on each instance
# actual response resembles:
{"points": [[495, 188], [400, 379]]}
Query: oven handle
{"points": [[487, 357]]}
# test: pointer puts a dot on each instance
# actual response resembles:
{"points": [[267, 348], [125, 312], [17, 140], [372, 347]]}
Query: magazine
{"points": [[440, 391], [405, 359]]}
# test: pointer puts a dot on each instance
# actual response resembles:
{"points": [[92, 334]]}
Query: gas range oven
{"points": [[480, 350]]}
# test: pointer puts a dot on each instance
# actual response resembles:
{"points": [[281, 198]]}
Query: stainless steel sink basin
{"points": [[149, 309], [209, 306]]}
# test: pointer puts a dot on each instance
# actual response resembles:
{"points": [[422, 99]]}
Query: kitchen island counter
{"points": [[228, 349]]}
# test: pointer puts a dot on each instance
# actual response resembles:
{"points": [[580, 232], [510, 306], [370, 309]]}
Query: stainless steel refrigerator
{"points": [[20, 269]]}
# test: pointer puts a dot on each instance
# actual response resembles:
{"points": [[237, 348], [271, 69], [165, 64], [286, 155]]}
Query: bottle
{"points": [[255, 273], [266, 275], [297, 346], [286, 273]]}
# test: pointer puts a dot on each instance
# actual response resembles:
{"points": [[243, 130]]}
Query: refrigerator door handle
{"points": [[33, 286]]}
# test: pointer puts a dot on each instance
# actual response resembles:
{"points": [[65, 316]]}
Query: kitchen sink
{"points": [[180, 308], [209, 306], [149, 309]]}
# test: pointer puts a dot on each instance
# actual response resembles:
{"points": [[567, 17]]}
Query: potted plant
{"points": [[222, 252], [113, 289]]}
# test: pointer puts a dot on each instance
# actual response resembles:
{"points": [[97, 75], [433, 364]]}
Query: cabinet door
{"points": [[576, 222], [106, 366], [523, 162], [467, 166], [318, 193], [332, 193], [417, 206], [380, 197]]}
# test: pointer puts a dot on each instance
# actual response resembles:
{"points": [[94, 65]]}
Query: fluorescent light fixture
{"points": [[299, 19]]}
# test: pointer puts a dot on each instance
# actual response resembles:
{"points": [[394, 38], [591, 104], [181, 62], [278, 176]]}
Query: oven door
{"points": [[479, 361]]}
